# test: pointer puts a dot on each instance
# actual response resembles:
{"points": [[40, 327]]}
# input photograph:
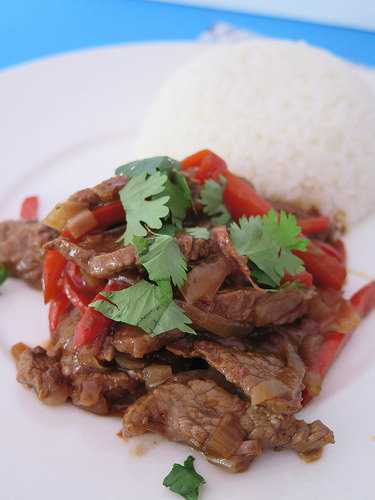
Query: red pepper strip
{"points": [[339, 246], [328, 249], [242, 199], [211, 167], [327, 271], [364, 300], [77, 299], [313, 225], [57, 308], [194, 160], [29, 208], [305, 278], [329, 350], [205, 165], [53, 267], [93, 324], [110, 214]]}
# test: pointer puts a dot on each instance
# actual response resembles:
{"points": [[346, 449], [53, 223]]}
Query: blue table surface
{"points": [[31, 29]]}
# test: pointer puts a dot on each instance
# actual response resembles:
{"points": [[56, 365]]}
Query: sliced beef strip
{"points": [[137, 343], [201, 414], [108, 190], [104, 392], [194, 249], [42, 373], [303, 338], [101, 193], [285, 431], [97, 264], [21, 249], [220, 237], [257, 374], [252, 306]]}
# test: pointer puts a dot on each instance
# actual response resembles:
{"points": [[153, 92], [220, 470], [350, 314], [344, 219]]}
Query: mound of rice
{"points": [[295, 120]]}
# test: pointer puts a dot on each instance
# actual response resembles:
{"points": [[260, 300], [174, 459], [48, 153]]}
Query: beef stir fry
{"points": [[181, 299]]}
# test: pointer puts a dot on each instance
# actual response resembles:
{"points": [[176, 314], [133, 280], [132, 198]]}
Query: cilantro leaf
{"points": [[139, 208], [285, 230], [148, 166], [165, 261], [149, 306], [179, 194], [4, 273], [141, 244], [168, 229], [198, 232], [212, 199], [268, 242], [184, 480]]}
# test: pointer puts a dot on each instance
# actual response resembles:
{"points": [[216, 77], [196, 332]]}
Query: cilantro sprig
{"points": [[184, 480], [163, 260], [147, 305], [268, 242], [148, 166], [139, 208], [212, 199]]}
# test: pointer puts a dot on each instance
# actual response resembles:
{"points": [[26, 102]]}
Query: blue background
{"points": [[34, 28]]}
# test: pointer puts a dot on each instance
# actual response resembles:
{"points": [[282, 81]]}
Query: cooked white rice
{"points": [[295, 120]]}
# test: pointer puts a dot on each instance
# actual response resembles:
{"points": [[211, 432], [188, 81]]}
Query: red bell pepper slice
{"points": [[78, 299], [53, 267], [194, 160], [30, 208], [93, 325], [364, 300], [327, 271], [339, 246], [206, 165], [241, 198], [313, 225], [57, 309], [329, 250], [110, 214]]}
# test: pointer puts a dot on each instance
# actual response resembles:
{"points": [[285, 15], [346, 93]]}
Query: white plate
{"points": [[65, 123]]}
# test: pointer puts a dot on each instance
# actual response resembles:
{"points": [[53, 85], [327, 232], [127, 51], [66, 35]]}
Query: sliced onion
{"points": [[156, 374], [237, 463], [225, 439], [214, 323], [250, 447], [205, 279], [81, 223], [268, 389], [127, 362], [18, 349], [62, 212], [333, 312], [346, 319], [294, 360]]}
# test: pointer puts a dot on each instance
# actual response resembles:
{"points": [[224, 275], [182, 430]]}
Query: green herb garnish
{"points": [[179, 194], [148, 166], [4, 273], [184, 480], [147, 305], [164, 260], [268, 242], [212, 199], [141, 206]]}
